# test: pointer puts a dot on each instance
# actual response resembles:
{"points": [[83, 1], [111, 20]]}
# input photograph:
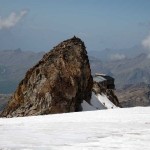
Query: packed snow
{"points": [[110, 129]]}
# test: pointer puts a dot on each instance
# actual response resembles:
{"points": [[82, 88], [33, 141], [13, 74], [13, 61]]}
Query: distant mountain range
{"points": [[127, 71], [118, 54], [4, 98], [13, 66]]}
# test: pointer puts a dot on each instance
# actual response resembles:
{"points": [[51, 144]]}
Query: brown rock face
{"points": [[57, 84]]}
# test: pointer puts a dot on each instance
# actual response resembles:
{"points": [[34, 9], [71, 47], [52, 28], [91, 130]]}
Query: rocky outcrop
{"points": [[99, 89], [57, 84]]}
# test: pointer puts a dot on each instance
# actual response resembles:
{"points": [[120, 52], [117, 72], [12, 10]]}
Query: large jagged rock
{"points": [[57, 84]]}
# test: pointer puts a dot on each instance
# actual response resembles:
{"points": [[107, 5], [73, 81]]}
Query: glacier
{"points": [[108, 129]]}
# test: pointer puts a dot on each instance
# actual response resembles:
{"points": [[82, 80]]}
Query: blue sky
{"points": [[39, 25]]}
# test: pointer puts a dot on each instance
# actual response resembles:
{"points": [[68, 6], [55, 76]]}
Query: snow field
{"points": [[123, 129]]}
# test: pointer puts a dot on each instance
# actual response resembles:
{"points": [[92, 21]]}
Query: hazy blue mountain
{"points": [[131, 71], [13, 66], [118, 54]]}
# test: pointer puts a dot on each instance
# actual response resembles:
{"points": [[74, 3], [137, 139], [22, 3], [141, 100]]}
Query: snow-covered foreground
{"points": [[122, 129]]}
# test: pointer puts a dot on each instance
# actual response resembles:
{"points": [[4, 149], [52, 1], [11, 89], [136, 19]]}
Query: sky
{"points": [[39, 25]]}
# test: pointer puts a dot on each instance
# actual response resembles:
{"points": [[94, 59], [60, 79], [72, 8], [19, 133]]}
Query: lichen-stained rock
{"points": [[57, 84]]}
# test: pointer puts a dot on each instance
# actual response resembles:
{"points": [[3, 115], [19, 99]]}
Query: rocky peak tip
{"points": [[75, 38]]}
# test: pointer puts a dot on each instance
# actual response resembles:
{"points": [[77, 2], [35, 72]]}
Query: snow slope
{"points": [[123, 129], [98, 102], [106, 102]]}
